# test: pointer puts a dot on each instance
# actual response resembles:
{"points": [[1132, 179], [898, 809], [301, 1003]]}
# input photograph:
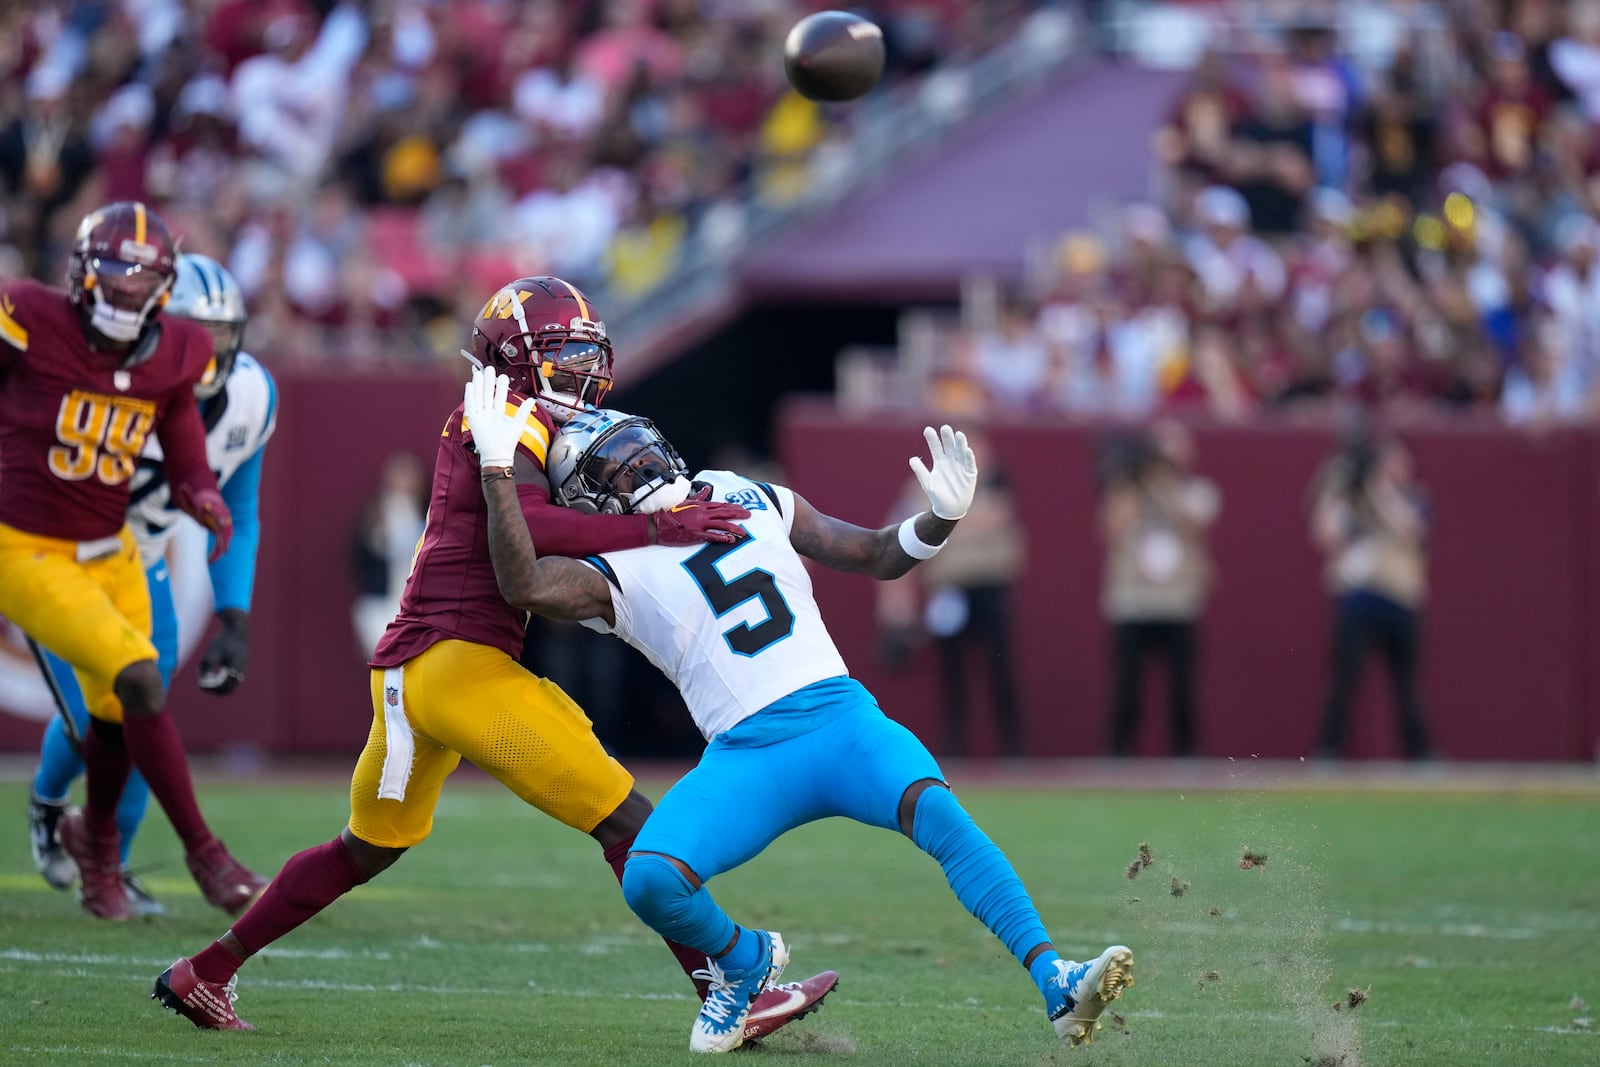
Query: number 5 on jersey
{"points": [[100, 435], [724, 594]]}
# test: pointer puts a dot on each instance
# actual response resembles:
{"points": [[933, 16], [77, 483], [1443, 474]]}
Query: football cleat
{"points": [[223, 880], [99, 866], [140, 902], [1077, 993], [778, 1006], [720, 1025], [209, 1005], [49, 858]]}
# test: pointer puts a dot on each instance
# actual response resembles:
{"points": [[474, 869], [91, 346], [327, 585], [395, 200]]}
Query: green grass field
{"points": [[1471, 919]]}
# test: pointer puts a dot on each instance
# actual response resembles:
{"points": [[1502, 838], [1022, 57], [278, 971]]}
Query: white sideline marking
{"points": [[113, 1053], [970, 1005], [1469, 930]]}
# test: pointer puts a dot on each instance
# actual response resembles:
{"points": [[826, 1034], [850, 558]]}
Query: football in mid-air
{"points": [[833, 56]]}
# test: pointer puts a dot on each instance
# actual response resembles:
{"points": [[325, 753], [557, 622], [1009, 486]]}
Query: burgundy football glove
{"points": [[207, 507], [700, 519]]}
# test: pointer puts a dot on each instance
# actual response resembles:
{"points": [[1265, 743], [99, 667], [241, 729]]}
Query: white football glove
{"points": [[495, 433], [954, 477]]}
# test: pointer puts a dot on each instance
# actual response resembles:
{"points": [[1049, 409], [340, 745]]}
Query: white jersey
{"points": [[734, 626], [247, 420]]}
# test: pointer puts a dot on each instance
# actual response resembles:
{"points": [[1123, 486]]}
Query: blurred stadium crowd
{"points": [[1386, 205], [368, 169], [1376, 206]]}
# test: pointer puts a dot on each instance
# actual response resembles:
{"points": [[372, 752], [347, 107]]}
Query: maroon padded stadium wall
{"points": [[1507, 671]]}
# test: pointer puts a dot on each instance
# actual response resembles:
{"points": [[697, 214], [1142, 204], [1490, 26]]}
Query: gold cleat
{"points": [[1088, 988]]}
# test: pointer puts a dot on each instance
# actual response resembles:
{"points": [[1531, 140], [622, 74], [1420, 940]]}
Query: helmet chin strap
{"points": [[559, 406], [661, 496]]}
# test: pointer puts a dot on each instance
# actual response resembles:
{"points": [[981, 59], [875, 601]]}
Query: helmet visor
{"points": [[127, 286], [580, 369], [628, 460]]}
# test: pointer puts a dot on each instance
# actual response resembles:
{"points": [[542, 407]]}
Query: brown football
{"points": [[833, 56]]}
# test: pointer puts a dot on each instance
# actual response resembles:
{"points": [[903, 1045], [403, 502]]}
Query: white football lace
{"points": [[232, 989], [718, 1005]]}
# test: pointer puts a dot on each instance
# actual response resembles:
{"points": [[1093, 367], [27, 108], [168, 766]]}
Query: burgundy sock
{"points": [[215, 963], [690, 960], [105, 760], [157, 751], [309, 882]]}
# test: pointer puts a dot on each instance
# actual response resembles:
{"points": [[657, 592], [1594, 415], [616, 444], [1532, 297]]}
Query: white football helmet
{"points": [[611, 463], [208, 294]]}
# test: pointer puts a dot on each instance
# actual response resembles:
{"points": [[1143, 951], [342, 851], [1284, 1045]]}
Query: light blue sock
{"points": [[673, 907], [983, 879], [745, 953], [59, 764], [1043, 966]]}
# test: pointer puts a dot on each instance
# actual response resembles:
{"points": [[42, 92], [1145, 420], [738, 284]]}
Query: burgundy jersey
{"points": [[452, 593], [74, 419]]}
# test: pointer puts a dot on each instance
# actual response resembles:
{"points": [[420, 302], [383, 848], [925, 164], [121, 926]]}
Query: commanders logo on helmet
{"points": [[545, 335], [121, 269]]}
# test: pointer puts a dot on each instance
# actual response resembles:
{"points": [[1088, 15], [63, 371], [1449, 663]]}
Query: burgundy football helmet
{"points": [[121, 270], [545, 335]]}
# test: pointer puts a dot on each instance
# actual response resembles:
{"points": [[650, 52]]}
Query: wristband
{"points": [[914, 546], [487, 473]]}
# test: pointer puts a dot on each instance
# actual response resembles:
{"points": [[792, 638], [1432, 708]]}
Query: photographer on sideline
{"points": [[1370, 518], [1155, 517]]}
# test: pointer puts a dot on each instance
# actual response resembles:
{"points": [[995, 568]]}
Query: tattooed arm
{"points": [[847, 547], [552, 586]]}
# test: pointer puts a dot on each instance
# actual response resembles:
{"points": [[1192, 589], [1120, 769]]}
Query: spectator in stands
{"points": [[1155, 518], [1271, 156], [1238, 272], [1575, 58], [1545, 388], [1328, 92], [1210, 378], [1508, 118], [1012, 360], [291, 97], [45, 160], [1196, 138], [193, 161], [1400, 133], [965, 604], [1370, 519], [1571, 290]]}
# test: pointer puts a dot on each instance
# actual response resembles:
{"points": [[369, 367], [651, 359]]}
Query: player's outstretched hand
{"points": [[207, 507], [954, 477], [226, 657], [495, 431], [699, 519]]}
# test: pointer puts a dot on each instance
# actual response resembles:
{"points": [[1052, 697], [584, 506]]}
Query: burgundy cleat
{"points": [[223, 880], [99, 866], [209, 1005], [780, 1005]]}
